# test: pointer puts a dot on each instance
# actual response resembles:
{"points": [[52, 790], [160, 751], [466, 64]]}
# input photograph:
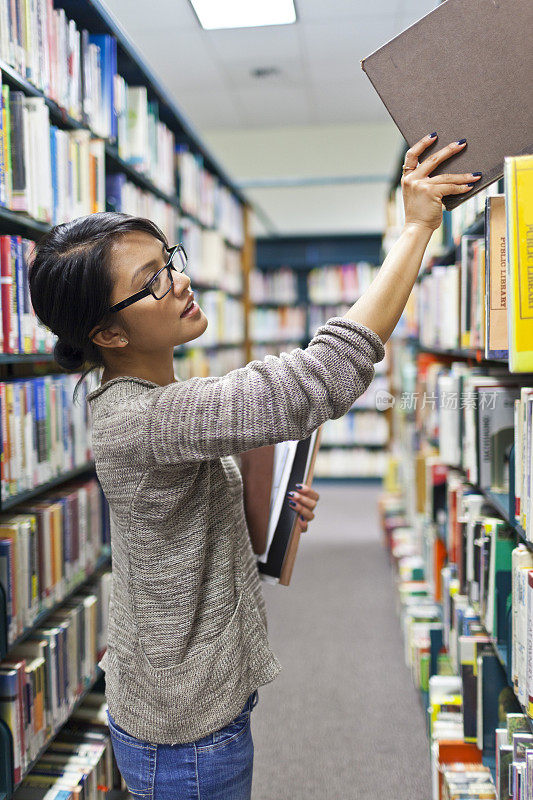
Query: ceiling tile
{"points": [[318, 10], [348, 101], [422, 7], [211, 109], [405, 20], [262, 44], [181, 60], [329, 41], [142, 15], [273, 106], [291, 73]]}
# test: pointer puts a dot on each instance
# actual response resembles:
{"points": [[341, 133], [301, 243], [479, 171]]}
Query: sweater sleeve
{"points": [[281, 398]]}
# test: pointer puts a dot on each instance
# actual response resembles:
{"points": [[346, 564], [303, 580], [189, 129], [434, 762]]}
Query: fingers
{"points": [[466, 177], [452, 188], [437, 158], [306, 490], [301, 500], [411, 157]]}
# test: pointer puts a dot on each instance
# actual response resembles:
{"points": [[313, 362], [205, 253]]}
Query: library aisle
{"points": [[342, 719]]}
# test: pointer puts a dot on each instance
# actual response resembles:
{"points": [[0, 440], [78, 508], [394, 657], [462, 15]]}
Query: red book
{"points": [[6, 274]]}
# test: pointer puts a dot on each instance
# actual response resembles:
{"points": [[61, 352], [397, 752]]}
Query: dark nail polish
{"points": [[470, 184], [302, 518], [461, 141], [477, 173], [432, 135], [298, 485], [292, 503], [290, 494]]}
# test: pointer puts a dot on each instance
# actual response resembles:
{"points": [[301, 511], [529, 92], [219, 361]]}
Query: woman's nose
{"points": [[180, 285]]}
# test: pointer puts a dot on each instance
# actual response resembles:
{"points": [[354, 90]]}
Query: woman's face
{"points": [[152, 324]]}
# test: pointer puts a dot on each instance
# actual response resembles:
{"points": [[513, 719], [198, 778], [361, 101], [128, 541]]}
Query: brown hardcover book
{"points": [[464, 70], [256, 469], [496, 338]]}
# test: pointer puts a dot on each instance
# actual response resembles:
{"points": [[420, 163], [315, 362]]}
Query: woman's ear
{"points": [[109, 337]]}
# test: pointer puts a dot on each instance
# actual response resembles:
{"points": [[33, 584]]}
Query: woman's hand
{"points": [[303, 500], [422, 195]]}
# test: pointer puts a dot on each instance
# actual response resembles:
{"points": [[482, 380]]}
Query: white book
{"points": [[521, 634], [4, 33], [517, 455], [62, 149], [528, 499], [526, 464], [522, 559], [449, 420], [83, 500], [529, 669], [137, 125]]}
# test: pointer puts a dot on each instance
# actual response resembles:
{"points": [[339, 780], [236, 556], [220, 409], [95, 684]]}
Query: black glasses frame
{"points": [[146, 290]]}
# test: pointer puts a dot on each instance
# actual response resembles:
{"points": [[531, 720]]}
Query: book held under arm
{"points": [[273, 525]]}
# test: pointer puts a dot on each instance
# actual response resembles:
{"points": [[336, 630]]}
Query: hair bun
{"points": [[67, 356]]}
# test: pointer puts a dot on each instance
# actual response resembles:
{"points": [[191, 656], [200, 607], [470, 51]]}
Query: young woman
{"points": [[187, 643]]}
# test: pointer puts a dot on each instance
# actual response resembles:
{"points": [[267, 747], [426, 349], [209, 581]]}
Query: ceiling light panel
{"points": [[214, 15]]}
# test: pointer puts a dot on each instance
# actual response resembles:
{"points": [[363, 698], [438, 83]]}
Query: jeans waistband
{"points": [[252, 700]]}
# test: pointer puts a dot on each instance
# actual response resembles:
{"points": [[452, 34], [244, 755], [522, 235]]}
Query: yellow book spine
{"points": [[519, 210]]}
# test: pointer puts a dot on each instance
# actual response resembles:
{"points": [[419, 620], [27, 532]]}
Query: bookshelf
{"points": [[299, 283], [191, 221], [159, 168], [455, 510]]}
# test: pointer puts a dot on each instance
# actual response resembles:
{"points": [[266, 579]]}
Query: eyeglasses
{"points": [[159, 284]]}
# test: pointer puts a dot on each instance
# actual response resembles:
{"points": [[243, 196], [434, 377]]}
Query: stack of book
{"points": [[44, 433], [342, 283], [206, 199], [457, 513], [21, 331], [44, 676], [79, 761], [290, 305], [123, 195], [48, 547], [283, 324], [54, 183], [211, 259], [274, 286]]}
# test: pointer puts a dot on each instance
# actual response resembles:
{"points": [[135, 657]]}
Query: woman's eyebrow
{"points": [[149, 265]]}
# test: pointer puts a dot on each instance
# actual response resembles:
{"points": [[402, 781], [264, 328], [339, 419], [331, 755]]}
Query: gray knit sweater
{"points": [[187, 629]]}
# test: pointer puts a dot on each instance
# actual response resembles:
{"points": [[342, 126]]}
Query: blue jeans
{"points": [[216, 767]]}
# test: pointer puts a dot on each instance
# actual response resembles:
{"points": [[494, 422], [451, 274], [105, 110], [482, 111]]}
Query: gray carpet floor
{"points": [[342, 719]]}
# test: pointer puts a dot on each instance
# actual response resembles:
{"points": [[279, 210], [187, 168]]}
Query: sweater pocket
{"points": [[208, 652]]}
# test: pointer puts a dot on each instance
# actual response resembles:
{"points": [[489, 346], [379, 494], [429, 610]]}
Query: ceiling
{"points": [[318, 117], [320, 80]]}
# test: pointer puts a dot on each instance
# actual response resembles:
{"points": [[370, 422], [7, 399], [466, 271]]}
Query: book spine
{"points": [[3, 177], [519, 216], [47, 427], [10, 712], [529, 645], [6, 292], [5, 579]]}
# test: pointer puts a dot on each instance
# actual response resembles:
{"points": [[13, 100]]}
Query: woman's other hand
{"points": [[303, 500], [422, 195]]}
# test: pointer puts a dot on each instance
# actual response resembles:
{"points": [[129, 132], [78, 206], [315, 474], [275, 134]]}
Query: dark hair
{"points": [[71, 282]]}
